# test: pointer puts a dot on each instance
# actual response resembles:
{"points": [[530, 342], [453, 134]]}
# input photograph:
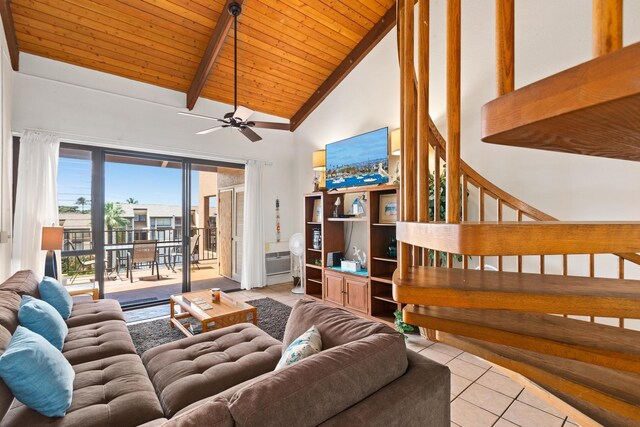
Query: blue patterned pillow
{"points": [[305, 345], [40, 317], [55, 294], [37, 373]]}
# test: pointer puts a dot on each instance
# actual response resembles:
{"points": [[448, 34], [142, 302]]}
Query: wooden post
{"points": [[408, 131], [505, 62], [423, 112], [607, 26], [453, 111]]}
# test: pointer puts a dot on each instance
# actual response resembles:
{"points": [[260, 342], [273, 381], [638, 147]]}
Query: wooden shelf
{"points": [[387, 279], [352, 219], [319, 267], [523, 238], [386, 299], [379, 224], [314, 250], [603, 345], [315, 281], [394, 260], [591, 109], [608, 396], [540, 293], [313, 223], [315, 296], [385, 318]]}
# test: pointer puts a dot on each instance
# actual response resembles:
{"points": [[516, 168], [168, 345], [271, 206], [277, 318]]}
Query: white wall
{"points": [[550, 36], [6, 158], [94, 108]]}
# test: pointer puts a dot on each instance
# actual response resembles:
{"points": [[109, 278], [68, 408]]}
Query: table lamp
{"points": [[396, 142], [51, 242], [319, 162]]}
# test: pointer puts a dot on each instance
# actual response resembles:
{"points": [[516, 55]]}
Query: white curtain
{"points": [[253, 263], [36, 198]]}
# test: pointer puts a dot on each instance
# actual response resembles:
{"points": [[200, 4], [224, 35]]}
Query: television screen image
{"points": [[359, 160]]}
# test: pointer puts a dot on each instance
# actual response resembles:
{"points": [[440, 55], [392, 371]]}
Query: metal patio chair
{"points": [[143, 251]]}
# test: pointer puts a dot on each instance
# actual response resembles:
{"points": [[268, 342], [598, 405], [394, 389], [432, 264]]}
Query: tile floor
{"points": [[480, 395]]}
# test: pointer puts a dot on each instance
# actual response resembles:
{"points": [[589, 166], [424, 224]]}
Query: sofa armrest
{"points": [[155, 423], [420, 397]]}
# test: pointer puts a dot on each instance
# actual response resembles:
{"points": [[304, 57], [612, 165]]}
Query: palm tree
{"points": [[81, 201], [113, 219], [131, 201]]}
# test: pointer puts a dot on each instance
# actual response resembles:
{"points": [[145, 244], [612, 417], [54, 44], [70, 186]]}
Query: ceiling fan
{"points": [[239, 118]]}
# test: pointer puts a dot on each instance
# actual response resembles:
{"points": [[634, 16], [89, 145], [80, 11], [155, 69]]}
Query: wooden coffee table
{"points": [[226, 312]]}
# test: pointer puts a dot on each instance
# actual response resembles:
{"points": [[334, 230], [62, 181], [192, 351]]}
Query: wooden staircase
{"points": [[516, 319]]}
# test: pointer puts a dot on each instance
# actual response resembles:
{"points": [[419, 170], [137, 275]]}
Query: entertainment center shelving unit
{"points": [[368, 294]]}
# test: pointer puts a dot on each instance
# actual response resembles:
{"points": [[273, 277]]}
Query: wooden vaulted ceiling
{"points": [[291, 53]]}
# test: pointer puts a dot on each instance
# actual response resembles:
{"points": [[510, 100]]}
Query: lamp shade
{"points": [[395, 142], [318, 160], [52, 238]]}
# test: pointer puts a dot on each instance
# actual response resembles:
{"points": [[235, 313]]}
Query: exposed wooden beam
{"points": [[10, 32], [368, 42], [210, 54]]}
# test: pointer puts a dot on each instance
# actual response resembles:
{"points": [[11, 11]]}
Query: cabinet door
{"points": [[333, 291], [357, 294]]}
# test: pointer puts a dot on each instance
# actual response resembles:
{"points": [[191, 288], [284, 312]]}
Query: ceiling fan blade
{"points": [[249, 133], [242, 113], [215, 119], [213, 129], [270, 125]]}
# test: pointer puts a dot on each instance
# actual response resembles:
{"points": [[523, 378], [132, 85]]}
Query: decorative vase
{"points": [[392, 249], [317, 239]]}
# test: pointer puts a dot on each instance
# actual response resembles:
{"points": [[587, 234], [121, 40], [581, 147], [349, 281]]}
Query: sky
{"points": [[370, 146], [146, 184]]}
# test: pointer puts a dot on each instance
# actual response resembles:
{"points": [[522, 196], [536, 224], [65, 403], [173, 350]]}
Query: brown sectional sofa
{"points": [[364, 375]]}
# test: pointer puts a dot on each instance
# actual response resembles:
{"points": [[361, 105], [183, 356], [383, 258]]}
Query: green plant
{"points": [[82, 201], [131, 201], [400, 325], [442, 209]]}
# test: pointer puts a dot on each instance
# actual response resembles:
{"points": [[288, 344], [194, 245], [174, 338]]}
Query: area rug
{"points": [[272, 318]]}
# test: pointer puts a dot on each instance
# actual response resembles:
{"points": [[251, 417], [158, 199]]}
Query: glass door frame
{"points": [[98, 182]]}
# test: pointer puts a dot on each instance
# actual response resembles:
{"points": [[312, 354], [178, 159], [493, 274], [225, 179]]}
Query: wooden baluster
{"points": [[565, 268], [621, 276], [541, 264], [592, 273], [453, 111], [481, 217], [519, 256], [607, 26], [423, 119], [499, 207], [505, 50], [436, 197]]}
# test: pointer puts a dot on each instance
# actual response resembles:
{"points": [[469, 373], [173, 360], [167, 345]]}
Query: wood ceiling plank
{"points": [[94, 29], [162, 17], [60, 9], [374, 36], [10, 33], [98, 65], [328, 17], [122, 61], [287, 17], [250, 24], [144, 23], [210, 56], [344, 8], [99, 41], [374, 6], [187, 11], [274, 107], [365, 9]]}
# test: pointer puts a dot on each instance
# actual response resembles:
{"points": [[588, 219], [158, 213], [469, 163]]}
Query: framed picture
{"points": [[317, 211], [388, 209]]}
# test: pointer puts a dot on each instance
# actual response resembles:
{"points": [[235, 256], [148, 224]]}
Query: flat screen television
{"points": [[359, 160]]}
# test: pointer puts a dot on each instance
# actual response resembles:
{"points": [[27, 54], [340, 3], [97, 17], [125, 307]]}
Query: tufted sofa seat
{"points": [[192, 369], [97, 341]]}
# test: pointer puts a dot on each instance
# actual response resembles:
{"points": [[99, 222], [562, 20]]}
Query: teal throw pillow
{"points": [[305, 345], [55, 294], [40, 317], [37, 373]]}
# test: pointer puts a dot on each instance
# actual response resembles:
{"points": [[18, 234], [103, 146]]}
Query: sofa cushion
{"points": [[323, 385], [6, 397], [197, 367], [9, 307], [110, 392], [42, 318], [97, 341], [23, 283], [37, 373], [212, 413], [55, 294], [88, 312], [302, 347], [336, 326]]}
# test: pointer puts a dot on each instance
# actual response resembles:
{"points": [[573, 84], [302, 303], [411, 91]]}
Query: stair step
{"points": [[608, 396], [539, 293], [592, 109], [603, 345], [523, 238]]}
